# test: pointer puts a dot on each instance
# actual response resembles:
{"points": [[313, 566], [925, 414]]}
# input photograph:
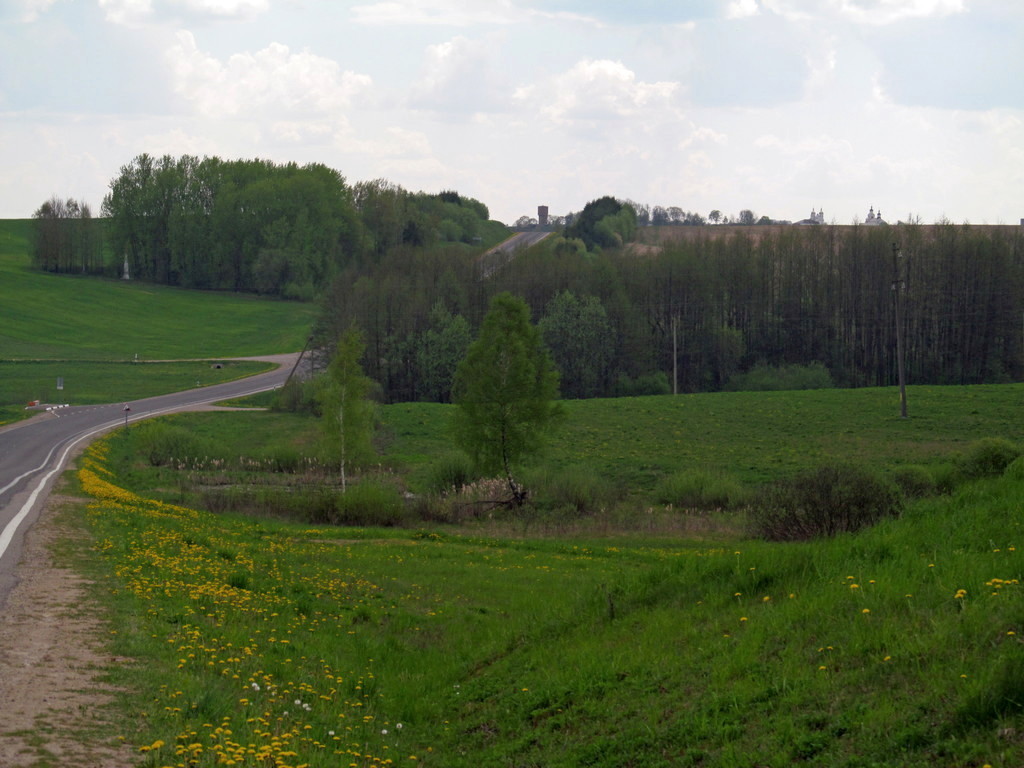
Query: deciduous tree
{"points": [[505, 388]]}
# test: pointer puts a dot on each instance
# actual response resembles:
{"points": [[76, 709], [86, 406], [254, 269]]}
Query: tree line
{"points": [[66, 237], [695, 314], [247, 225]]}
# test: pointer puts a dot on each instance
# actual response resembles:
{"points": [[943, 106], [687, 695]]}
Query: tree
{"points": [[715, 216], [505, 390], [347, 410], [439, 351], [580, 338]]}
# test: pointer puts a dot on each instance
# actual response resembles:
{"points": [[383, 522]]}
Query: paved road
{"points": [[504, 252], [33, 452]]}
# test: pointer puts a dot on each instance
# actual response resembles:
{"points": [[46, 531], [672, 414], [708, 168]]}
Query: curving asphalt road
{"points": [[34, 452]]}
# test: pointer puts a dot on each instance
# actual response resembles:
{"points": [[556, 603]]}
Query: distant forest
{"points": [[714, 309]]}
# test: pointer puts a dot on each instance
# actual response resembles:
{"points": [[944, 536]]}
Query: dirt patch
{"points": [[55, 706]]}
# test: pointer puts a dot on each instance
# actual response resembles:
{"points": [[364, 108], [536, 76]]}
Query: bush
{"points": [[370, 503], [700, 489], [161, 443], [450, 472], [988, 457], [834, 498], [579, 489], [650, 384], [298, 396], [764, 378], [283, 458], [914, 481]]}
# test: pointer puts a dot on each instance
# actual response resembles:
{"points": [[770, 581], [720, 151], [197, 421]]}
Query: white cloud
{"points": [[227, 8], [890, 11], [273, 78], [456, 13], [394, 142], [460, 75], [127, 11], [741, 9], [459, 13], [31, 10], [598, 90]]}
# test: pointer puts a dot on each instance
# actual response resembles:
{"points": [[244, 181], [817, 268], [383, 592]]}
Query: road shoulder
{"points": [[56, 707]]}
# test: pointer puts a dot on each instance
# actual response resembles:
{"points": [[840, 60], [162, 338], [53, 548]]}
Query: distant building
{"points": [[542, 215], [874, 219], [814, 218]]}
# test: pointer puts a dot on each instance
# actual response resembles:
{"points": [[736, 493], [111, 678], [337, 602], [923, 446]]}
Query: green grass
{"points": [[899, 645], [67, 317], [755, 436], [94, 382], [78, 327]]}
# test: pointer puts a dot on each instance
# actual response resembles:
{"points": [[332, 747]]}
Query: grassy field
{"points": [[67, 317], [273, 644], [77, 324], [86, 383]]}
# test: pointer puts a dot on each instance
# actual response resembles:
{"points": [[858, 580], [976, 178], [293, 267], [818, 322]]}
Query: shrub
{"points": [[579, 489], [298, 396], [831, 499], [161, 443], [450, 472], [947, 477], [914, 481], [763, 378], [649, 384], [988, 457], [370, 502], [283, 458], [700, 489]]}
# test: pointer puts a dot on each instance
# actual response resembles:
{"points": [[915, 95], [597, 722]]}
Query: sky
{"points": [[912, 107]]}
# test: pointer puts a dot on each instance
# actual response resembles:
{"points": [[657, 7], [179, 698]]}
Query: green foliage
{"points": [[65, 237], [988, 457], [162, 443], [579, 336], [648, 384], [449, 472], [576, 489], [441, 347], [370, 503], [701, 489], [914, 481], [504, 389], [763, 378], [834, 498], [242, 225], [348, 414], [300, 396], [604, 222], [1015, 469]]}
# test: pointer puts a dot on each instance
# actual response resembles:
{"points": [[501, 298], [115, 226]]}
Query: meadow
{"points": [[260, 643], [81, 322]]}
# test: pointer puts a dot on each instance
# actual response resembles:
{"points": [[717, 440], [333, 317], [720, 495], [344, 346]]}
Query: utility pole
{"points": [[675, 354], [901, 371]]}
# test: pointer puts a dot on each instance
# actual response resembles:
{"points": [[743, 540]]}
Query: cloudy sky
{"points": [[915, 107]]}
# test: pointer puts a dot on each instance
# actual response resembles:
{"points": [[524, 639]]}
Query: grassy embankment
{"points": [[89, 330], [265, 641]]}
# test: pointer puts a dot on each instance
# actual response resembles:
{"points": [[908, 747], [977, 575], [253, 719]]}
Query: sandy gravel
{"points": [[52, 704]]}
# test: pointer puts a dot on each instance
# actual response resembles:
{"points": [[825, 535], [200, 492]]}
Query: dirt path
{"points": [[53, 706]]}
